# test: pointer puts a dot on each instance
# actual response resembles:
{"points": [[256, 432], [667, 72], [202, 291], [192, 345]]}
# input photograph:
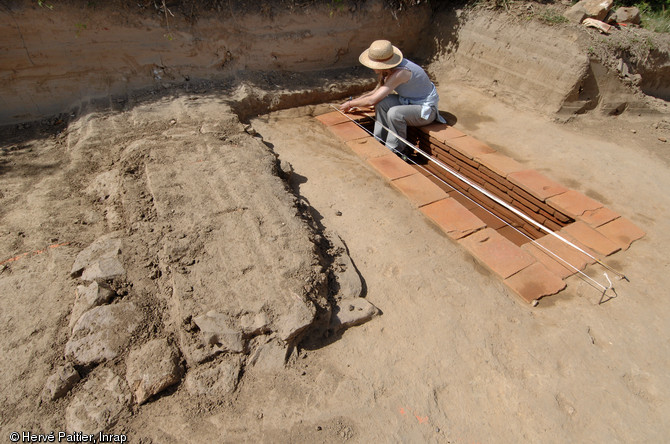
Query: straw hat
{"points": [[381, 55]]}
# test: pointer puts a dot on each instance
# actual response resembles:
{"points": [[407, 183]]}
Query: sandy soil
{"points": [[454, 356]]}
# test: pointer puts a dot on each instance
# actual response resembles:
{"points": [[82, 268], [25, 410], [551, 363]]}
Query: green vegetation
{"points": [[655, 14], [658, 21], [553, 17]]}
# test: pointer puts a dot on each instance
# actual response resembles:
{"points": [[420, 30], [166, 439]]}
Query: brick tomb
{"points": [[518, 251]]}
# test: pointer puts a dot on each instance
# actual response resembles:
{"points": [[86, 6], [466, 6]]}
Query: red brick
{"points": [[463, 158], [598, 217], [622, 231], [332, 118], [336, 117], [535, 282], [453, 218], [553, 264], [448, 160], [516, 236], [470, 147], [419, 189], [466, 202], [524, 202], [348, 131], [553, 226], [498, 253], [500, 181], [368, 147], [564, 251], [535, 201], [591, 238], [573, 203], [489, 219], [391, 166], [560, 217], [497, 192], [536, 184], [441, 132], [499, 163], [447, 177]]}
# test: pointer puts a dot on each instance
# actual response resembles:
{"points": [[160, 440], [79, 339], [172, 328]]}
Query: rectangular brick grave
{"points": [[525, 267]]}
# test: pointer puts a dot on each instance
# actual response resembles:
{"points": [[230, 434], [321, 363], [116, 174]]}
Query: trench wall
{"points": [[54, 59], [535, 66]]}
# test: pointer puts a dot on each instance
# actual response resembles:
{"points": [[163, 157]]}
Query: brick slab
{"points": [[599, 217], [573, 203], [419, 189], [441, 132], [516, 237], [536, 184], [348, 131], [332, 118], [535, 282], [622, 232], [470, 147], [498, 253], [564, 251], [591, 238], [453, 218], [499, 163], [368, 147], [391, 166], [489, 219]]}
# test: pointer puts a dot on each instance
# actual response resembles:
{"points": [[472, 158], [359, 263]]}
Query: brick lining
{"points": [[524, 267]]}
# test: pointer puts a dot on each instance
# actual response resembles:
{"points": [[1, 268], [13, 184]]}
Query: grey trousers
{"points": [[396, 117]]}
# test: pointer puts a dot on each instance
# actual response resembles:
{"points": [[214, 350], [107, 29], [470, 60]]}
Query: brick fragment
{"points": [[497, 253], [419, 189], [599, 217], [453, 218], [573, 203], [621, 231], [535, 282], [536, 184]]}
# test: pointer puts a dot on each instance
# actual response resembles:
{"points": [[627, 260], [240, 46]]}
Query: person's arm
{"points": [[397, 78]]}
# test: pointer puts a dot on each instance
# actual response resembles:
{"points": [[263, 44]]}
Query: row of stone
{"points": [[102, 325]]}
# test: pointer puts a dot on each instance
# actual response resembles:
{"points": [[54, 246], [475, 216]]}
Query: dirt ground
{"points": [[210, 219]]}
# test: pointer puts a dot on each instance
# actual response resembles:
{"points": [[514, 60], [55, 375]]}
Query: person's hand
{"points": [[346, 106]]}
